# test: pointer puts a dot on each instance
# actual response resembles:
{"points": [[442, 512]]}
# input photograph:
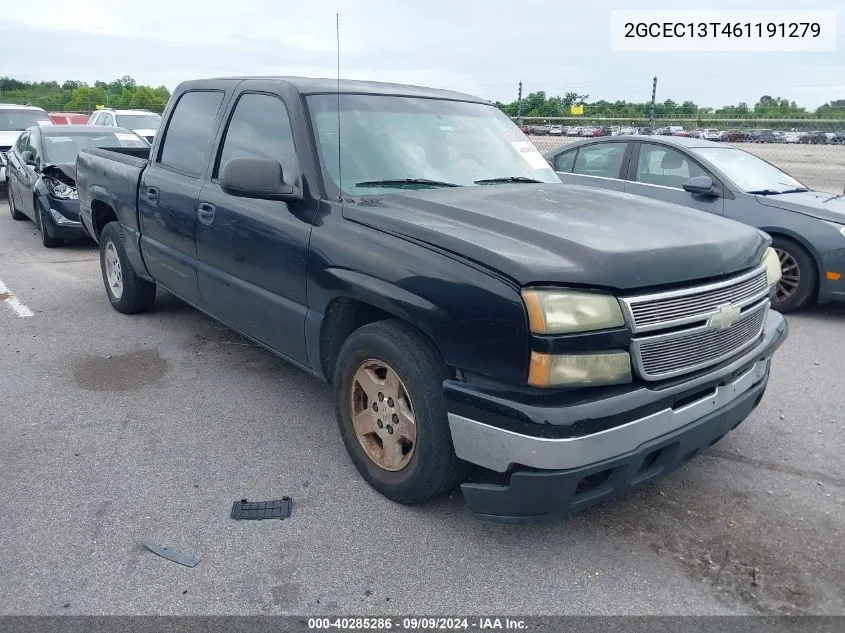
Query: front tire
{"points": [[389, 404], [16, 215], [799, 276], [128, 293], [46, 239]]}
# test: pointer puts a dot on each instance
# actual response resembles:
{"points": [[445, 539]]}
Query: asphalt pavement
{"points": [[120, 429]]}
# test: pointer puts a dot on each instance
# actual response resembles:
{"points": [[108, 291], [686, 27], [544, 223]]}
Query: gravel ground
{"points": [[820, 167], [119, 429]]}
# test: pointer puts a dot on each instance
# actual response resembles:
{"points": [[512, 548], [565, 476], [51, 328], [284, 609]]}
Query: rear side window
{"points": [[563, 162], [603, 160], [259, 128], [190, 131]]}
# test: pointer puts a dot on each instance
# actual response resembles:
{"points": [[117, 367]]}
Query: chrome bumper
{"points": [[499, 449]]}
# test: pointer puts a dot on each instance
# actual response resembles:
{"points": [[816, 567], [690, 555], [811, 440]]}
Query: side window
{"points": [[92, 120], [564, 162], [108, 119], [32, 145], [659, 165], [259, 128], [23, 139], [190, 131], [600, 160]]}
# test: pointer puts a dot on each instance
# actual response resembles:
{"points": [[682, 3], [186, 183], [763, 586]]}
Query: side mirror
{"points": [[700, 186], [28, 158], [259, 178]]}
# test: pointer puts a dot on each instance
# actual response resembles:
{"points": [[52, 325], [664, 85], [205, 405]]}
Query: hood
{"points": [[9, 137], [568, 234], [817, 204], [63, 172]]}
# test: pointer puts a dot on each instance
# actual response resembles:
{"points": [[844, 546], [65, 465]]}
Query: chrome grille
{"points": [[674, 308], [679, 352]]}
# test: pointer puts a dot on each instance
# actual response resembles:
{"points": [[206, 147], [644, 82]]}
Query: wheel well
{"points": [[343, 317], [101, 214], [815, 261]]}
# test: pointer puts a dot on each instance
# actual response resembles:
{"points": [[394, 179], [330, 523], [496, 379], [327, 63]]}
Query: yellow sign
{"points": [[576, 109], [99, 107]]}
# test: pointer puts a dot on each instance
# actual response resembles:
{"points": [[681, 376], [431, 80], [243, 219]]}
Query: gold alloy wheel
{"points": [[382, 415]]}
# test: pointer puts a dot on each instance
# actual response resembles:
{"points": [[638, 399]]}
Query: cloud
{"points": [[484, 48]]}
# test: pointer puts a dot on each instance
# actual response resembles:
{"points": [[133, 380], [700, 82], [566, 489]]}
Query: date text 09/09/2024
{"points": [[417, 624]]}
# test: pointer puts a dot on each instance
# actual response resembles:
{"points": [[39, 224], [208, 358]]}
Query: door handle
{"points": [[152, 195], [205, 213]]}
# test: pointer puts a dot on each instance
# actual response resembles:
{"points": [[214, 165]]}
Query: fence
{"points": [[810, 149]]}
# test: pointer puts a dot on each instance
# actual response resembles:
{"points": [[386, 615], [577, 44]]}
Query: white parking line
{"points": [[13, 302]]}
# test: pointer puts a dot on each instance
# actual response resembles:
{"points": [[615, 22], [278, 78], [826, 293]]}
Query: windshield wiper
{"points": [[405, 181], [493, 181], [773, 192]]}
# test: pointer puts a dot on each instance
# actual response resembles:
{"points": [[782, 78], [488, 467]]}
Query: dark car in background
{"points": [[815, 137], [807, 227], [42, 174]]}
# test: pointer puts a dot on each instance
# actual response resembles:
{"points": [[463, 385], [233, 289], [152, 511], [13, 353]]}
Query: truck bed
{"points": [[110, 177]]}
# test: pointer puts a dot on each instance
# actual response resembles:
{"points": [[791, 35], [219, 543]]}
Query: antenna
{"points": [[339, 174]]}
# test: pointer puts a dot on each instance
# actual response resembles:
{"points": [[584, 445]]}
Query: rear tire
{"points": [[127, 292], [16, 215], [799, 275], [425, 467]]}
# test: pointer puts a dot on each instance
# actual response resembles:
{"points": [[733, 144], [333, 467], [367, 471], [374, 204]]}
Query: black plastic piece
{"points": [[256, 510]]}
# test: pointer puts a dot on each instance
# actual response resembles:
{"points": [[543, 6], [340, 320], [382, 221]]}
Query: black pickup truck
{"points": [[546, 346]]}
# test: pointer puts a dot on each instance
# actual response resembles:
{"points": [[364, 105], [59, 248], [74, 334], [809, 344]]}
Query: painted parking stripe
{"points": [[13, 302]]}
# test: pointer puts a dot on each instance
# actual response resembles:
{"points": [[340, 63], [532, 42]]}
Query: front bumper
{"points": [[61, 218], [605, 454], [832, 289], [2, 175]]}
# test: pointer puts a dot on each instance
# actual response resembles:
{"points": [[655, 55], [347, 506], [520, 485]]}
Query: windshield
{"points": [[749, 172], [139, 121], [22, 119], [64, 148], [386, 138]]}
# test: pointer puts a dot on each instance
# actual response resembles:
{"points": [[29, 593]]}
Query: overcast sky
{"points": [[479, 47]]}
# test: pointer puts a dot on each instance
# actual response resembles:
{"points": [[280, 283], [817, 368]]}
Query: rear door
{"points": [[659, 171], [595, 165], [167, 197], [253, 253]]}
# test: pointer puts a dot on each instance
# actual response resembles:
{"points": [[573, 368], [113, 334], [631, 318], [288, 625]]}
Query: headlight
{"points": [[588, 370], [773, 269], [59, 189], [567, 311]]}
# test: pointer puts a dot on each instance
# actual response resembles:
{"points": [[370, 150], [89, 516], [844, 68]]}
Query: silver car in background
{"points": [[807, 227]]}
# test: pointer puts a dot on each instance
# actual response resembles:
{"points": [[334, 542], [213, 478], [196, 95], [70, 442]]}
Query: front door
{"points": [[253, 253], [659, 172]]}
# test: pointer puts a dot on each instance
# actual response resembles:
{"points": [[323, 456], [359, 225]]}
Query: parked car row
{"points": [[14, 119], [711, 134]]}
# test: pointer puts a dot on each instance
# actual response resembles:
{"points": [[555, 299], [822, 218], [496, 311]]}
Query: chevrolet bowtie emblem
{"points": [[726, 315]]}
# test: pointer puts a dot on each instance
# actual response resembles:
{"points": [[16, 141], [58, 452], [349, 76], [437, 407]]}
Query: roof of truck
{"points": [[309, 85]]}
